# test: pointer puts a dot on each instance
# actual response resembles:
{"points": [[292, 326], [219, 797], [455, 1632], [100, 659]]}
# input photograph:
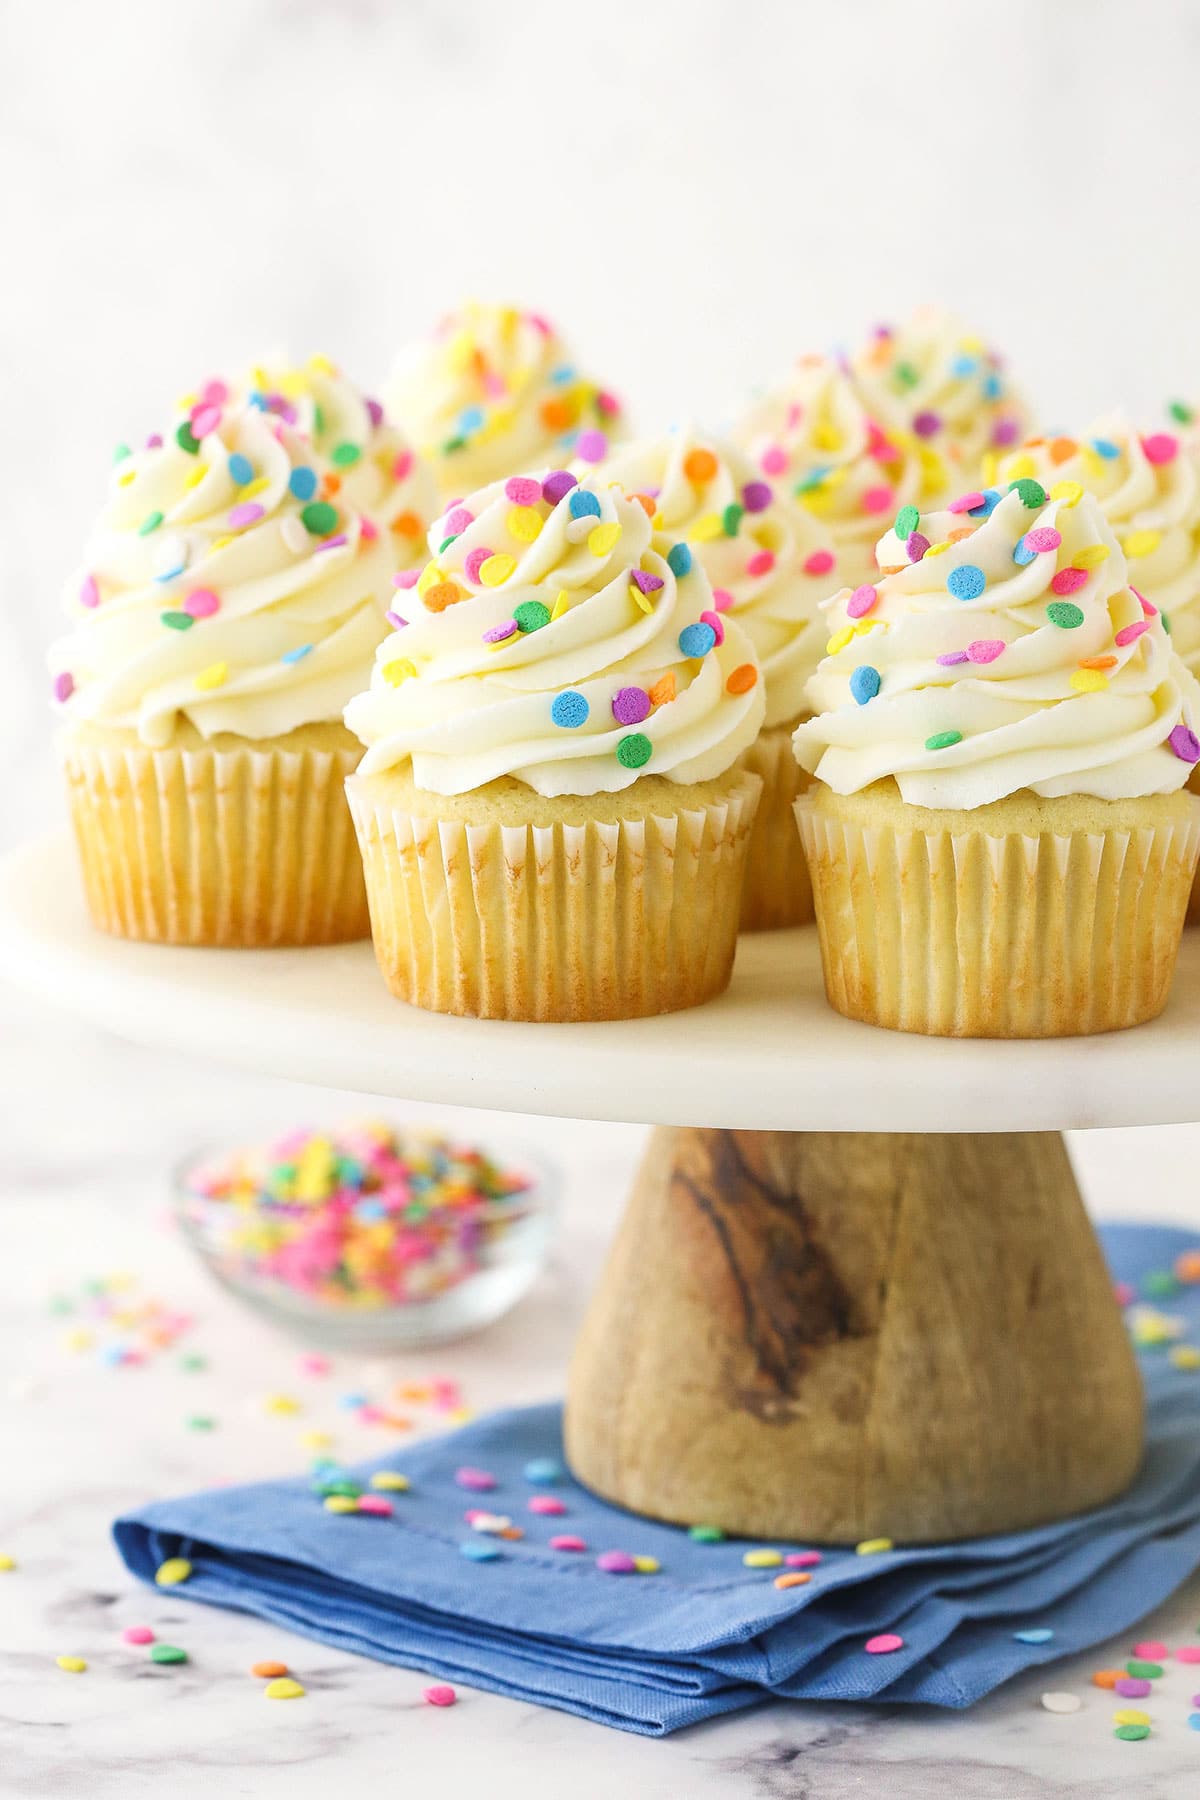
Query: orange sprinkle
{"points": [[558, 414], [1187, 1266], [1063, 449], [1107, 1678], [407, 524], [647, 503], [331, 482], [742, 679], [1098, 662], [442, 595], [512, 1532], [793, 1578], [268, 1670], [699, 465], [663, 690], [964, 531]]}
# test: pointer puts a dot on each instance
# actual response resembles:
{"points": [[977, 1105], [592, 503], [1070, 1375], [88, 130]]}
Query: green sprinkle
{"points": [[446, 543], [907, 520], [706, 1534], [1166, 623], [349, 1490], [1181, 412], [808, 482], [201, 1422], [1160, 1283], [192, 1363], [167, 1653], [635, 750], [943, 740], [1132, 1734], [344, 455], [453, 444], [1143, 1671], [1032, 492], [1065, 614], [186, 439], [121, 452], [906, 375], [731, 519], [531, 615], [150, 523], [178, 621], [319, 517]]}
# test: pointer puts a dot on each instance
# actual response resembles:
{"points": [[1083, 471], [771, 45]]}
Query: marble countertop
{"points": [[90, 1128]]}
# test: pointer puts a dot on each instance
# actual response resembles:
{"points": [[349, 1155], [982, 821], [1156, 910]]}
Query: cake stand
{"points": [[855, 1293]]}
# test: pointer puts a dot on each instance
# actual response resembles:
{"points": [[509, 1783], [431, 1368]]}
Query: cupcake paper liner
{"points": [[777, 890], [968, 935], [611, 919], [235, 848]]}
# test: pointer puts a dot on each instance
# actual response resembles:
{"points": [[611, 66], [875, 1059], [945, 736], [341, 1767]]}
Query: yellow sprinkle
{"points": [[74, 1665], [1090, 557], [645, 601], [429, 577], [1089, 681], [340, 1503], [647, 1565], [1020, 467], [762, 1559], [1069, 492], [281, 1403], [223, 542], [497, 569], [7, 1563], [873, 1546], [864, 626], [172, 1572], [398, 670], [388, 1482], [283, 1688], [1093, 463], [1131, 1715], [562, 604], [839, 640], [827, 437], [1184, 1356], [254, 487], [215, 676], [706, 527], [321, 364], [316, 1440], [524, 523], [197, 475], [127, 479], [460, 1415], [937, 549], [1141, 543], [602, 538], [79, 1339]]}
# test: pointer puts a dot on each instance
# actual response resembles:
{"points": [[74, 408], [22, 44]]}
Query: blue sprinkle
{"points": [[966, 582], [113, 1355], [993, 387], [1194, 1721], [479, 1550], [1034, 1634], [679, 559], [1106, 448], [241, 469], [964, 365], [1022, 553], [371, 1212], [470, 419], [294, 656], [303, 483], [258, 400], [813, 479], [543, 1471], [864, 683], [170, 574], [570, 710], [563, 374], [698, 639], [991, 500], [583, 504], [352, 1402]]}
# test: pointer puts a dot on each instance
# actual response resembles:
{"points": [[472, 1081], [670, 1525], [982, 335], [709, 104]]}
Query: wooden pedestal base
{"points": [[823, 1337]]}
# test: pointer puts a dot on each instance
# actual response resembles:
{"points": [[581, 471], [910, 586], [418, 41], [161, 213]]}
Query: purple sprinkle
{"points": [[478, 1481], [394, 619], [154, 441], [591, 446], [916, 546], [645, 583], [1129, 1689], [496, 635], [556, 484], [954, 656], [407, 578], [247, 513], [927, 424], [630, 705], [757, 496], [616, 1562], [332, 543], [64, 686], [1006, 431], [89, 593], [1185, 744], [375, 411]]}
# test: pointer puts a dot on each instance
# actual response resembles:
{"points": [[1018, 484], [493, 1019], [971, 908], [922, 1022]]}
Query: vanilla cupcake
{"points": [[771, 565], [551, 810], [815, 441], [227, 611], [999, 838], [494, 391], [933, 378]]}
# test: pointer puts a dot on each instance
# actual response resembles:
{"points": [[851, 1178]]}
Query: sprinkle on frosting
{"points": [[935, 379]]}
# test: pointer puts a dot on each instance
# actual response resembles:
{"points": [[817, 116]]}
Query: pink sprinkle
{"points": [[371, 1415], [877, 500], [967, 502], [215, 392], [616, 1562], [477, 1480], [205, 419], [802, 1559], [952, 658], [761, 563], [591, 446], [861, 601], [1148, 608], [985, 650], [332, 543], [819, 563], [475, 561], [457, 520], [548, 1504], [368, 528], [64, 686], [716, 622], [722, 599], [883, 1644], [1131, 1689], [377, 1504], [247, 512], [313, 1364], [1124, 1293], [1161, 447], [89, 593], [607, 403], [1068, 581], [773, 460], [374, 412], [402, 464], [201, 603], [1043, 538], [916, 546], [1188, 1653], [500, 634], [1152, 1650], [1129, 634], [567, 1541], [395, 620], [407, 578], [1005, 432], [154, 441], [137, 1634], [522, 491], [440, 1694]]}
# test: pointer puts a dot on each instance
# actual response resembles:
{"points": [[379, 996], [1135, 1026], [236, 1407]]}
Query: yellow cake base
{"points": [[230, 843], [1026, 918], [777, 890], [500, 904]]}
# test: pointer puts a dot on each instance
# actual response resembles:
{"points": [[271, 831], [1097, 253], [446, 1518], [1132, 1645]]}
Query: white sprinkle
{"points": [[1061, 1703], [295, 535]]}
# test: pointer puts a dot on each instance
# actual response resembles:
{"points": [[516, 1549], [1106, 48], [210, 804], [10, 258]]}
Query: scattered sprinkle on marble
{"points": [[440, 1694], [1057, 1702]]}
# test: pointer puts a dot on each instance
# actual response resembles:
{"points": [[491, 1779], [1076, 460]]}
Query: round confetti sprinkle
{"points": [[497, 569], [794, 1578], [302, 483], [522, 490], [646, 1565], [697, 640], [1061, 1702], [201, 603], [171, 1572], [943, 740], [1160, 447], [968, 503], [1153, 1650], [1033, 1634], [966, 582], [1131, 1715], [583, 504], [320, 519], [1188, 1653], [820, 562], [1129, 634], [284, 1689], [478, 1550], [567, 1541], [803, 1559], [167, 1653], [64, 687], [531, 615], [634, 751], [591, 446], [699, 465], [1194, 1719], [985, 650], [861, 601], [1143, 1669], [556, 485], [756, 496], [476, 1481], [71, 1665], [1185, 743], [499, 634], [440, 1694], [762, 1559], [524, 524], [916, 546], [679, 559], [1065, 614], [603, 538], [150, 523], [266, 1671], [548, 1505], [1106, 1678], [241, 469], [1068, 581], [907, 520], [1042, 538], [1131, 1688], [569, 710], [1132, 1734], [873, 1546], [249, 512], [706, 1534], [743, 678], [1032, 492], [883, 1644], [864, 683], [137, 1634], [376, 1506], [630, 705], [616, 1562]]}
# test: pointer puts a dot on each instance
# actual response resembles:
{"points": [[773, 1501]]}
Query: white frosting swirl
{"points": [[770, 563], [1149, 488], [558, 638], [222, 588], [934, 378], [494, 391], [1011, 655], [817, 441]]}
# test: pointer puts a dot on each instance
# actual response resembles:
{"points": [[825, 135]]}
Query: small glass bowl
{"points": [[467, 1284]]}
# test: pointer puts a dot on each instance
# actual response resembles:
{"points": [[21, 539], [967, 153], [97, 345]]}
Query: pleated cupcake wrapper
{"points": [[242, 848], [777, 889], [606, 920], [967, 935]]}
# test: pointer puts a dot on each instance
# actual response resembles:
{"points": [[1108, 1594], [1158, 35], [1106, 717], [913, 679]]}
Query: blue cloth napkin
{"points": [[650, 1653]]}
